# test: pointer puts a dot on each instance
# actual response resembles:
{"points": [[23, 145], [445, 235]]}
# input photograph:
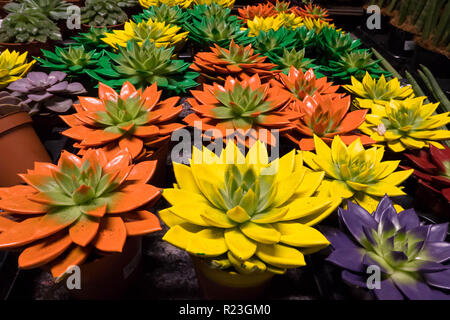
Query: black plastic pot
{"points": [[401, 42]]}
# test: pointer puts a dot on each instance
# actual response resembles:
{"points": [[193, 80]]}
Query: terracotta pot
{"points": [[109, 276], [85, 27], [33, 48], [19, 145], [220, 285]]}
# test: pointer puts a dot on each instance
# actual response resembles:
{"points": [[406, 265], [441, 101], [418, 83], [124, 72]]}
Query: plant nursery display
{"points": [[222, 149]]}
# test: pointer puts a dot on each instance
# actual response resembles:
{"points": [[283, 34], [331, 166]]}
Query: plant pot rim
{"points": [[14, 119]]}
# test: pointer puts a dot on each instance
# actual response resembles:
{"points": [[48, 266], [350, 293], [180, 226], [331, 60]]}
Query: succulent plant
{"points": [[263, 10], [326, 115], [283, 7], [355, 173], [28, 26], [127, 3], [160, 33], [212, 11], [144, 65], [259, 24], [53, 9], [74, 60], [302, 84], [70, 209], [10, 102], [132, 120], [334, 44], [371, 91], [171, 3], [407, 124], [163, 13], [313, 12], [40, 90], [432, 167], [211, 31], [237, 61], [318, 25], [411, 256], [241, 107], [102, 13], [290, 20], [92, 39], [255, 217], [293, 58], [13, 66], [223, 3], [357, 64]]}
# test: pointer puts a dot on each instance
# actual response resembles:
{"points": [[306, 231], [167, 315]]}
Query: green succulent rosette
{"points": [[163, 13]]}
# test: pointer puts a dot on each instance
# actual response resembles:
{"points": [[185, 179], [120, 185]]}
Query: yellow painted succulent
{"points": [[318, 25], [263, 24], [223, 3], [372, 91], [13, 66], [407, 124], [160, 33], [290, 20], [171, 3], [244, 213], [355, 173]]}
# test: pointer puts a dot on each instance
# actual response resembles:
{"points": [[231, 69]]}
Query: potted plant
{"points": [[355, 173], [238, 226], [160, 33], [163, 13], [294, 58], [259, 24], [410, 256], [84, 210], [28, 31], [18, 140], [244, 109], [14, 66], [431, 167], [237, 61], [143, 65], [102, 13], [133, 120], [260, 10]]}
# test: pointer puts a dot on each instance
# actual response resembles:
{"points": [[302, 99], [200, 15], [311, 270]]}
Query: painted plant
{"points": [[293, 58], [351, 172], [246, 109], [66, 211], [132, 120], [244, 213], [237, 61], [13, 66], [259, 24], [171, 3], [412, 257], [313, 12], [163, 13], [326, 115], [407, 124], [263, 10]]}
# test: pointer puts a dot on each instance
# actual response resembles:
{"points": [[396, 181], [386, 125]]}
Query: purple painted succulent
{"points": [[412, 257], [51, 91]]}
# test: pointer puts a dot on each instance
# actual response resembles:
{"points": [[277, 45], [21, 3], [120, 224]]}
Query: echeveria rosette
{"points": [[313, 12], [224, 3], [412, 257], [212, 11], [244, 214], [302, 84], [326, 115], [52, 9], [236, 61], [333, 44], [259, 24], [13, 66], [66, 211], [92, 39], [51, 91], [351, 172], [371, 91], [407, 124], [102, 13], [244, 109], [163, 13], [132, 120], [171, 3], [263, 10], [432, 167], [144, 65], [293, 58], [160, 33]]}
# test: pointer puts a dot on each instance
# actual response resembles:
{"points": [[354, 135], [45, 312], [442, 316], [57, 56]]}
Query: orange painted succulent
{"points": [[313, 12], [260, 10], [237, 61], [66, 211], [302, 84], [326, 116], [132, 120], [237, 107]]}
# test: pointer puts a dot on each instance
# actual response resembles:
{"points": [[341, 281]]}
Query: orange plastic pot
{"points": [[110, 276], [20, 147], [216, 284]]}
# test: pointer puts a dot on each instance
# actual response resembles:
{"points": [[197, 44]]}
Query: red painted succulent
{"points": [[239, 106], [66, 211], [237, 61], [313, 12], [132, 120], [326, 116], [261, 10], [432, 168], [302, 84]]}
